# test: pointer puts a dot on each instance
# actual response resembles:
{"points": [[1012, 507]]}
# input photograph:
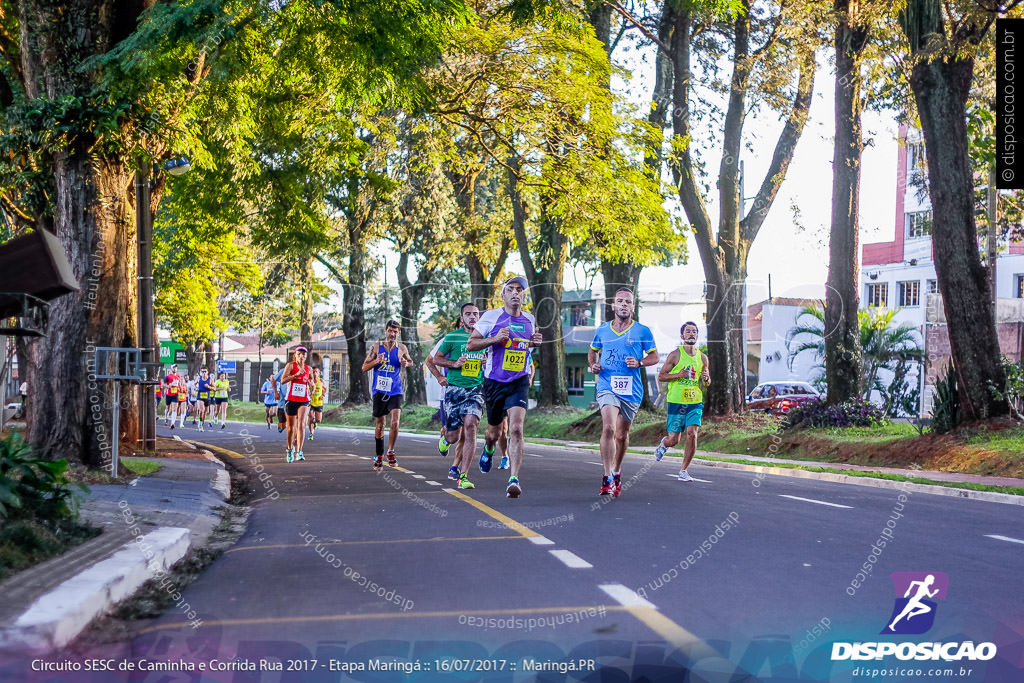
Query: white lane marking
{"points": [[352, 455], [541, 540], [434, 483], [534, 456], [448, 490], [418, 476], [1004, 538], [703, 481], [599, 464], [818, 502], [624, 596], [364, 457], [409, 472], [571, 560]]}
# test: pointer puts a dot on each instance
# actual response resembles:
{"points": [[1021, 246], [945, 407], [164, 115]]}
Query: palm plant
{"points": [[884, 344]]}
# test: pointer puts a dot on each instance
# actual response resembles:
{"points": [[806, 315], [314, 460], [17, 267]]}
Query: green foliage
{"points": [[31, 487], [883, 344], [946, 406]]}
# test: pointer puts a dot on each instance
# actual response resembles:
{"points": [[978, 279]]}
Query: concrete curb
{"points": [[950, 491], [58, 617], [953, 492], [221, 482]]}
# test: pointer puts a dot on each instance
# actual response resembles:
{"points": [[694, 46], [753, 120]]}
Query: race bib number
{"points": [[515, 360], [172, 390], [383, 384], [204, 395], [692, 395], [299, 390], [471, 368], [622, 385]]}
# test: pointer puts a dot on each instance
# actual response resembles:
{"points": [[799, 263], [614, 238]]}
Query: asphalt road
{"points": [[736, 576]]}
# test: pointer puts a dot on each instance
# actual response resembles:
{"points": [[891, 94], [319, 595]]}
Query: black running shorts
{"points": [[500, 396], [384, 404]]}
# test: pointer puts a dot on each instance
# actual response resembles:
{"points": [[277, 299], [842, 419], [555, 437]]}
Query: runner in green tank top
{"points": [[684, 370]]}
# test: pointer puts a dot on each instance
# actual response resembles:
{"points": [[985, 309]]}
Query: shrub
{"points": [[33, 488], [853, 413], [946, 406]]}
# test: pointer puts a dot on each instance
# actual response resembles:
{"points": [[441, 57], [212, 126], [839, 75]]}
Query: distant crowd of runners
{"points": [[485, 368]]}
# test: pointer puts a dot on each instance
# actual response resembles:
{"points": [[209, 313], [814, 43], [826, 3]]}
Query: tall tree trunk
{"points": [[941, 86], [412, 301], [545, 276], [843, 356], [724, 252], [353, 318]]}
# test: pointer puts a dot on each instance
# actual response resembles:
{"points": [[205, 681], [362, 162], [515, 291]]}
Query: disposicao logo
{"points": [[914, 610], [913, 613]]}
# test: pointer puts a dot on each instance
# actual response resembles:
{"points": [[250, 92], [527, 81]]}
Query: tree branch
{"points": [[783, 155]]}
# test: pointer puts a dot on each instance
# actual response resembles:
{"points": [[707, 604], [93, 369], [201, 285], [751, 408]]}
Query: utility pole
{"points": [[146, 326]]}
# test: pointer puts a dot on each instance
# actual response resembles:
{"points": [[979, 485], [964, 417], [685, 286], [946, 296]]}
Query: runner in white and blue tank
{"points": [[618, 354], [387, 359], [508, 334]]}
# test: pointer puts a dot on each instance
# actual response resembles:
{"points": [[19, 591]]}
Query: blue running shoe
{"points": [[514, 489], [288, 455], [299, 456], [453, 473], [659, 452], [485, 461], [504, 463]]}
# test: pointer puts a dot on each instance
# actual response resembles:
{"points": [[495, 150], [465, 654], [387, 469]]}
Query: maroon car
{"points": [[778, 398]]}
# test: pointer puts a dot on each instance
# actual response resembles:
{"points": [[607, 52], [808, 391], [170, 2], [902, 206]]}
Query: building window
{"points": [[919, 224], [574, 380], [916, 160], [577, 315], [1018, 285], [910, 293], [878, 295], [933, 286]]}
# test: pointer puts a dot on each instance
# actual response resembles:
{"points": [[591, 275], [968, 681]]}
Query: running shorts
{"points": [[460, 402], [384, 404], [501, 396]]}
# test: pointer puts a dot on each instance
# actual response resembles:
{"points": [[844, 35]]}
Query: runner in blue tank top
{"points": [[387, 359]]}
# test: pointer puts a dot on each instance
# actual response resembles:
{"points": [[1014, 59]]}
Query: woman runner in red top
{"points": [[296, 408]]}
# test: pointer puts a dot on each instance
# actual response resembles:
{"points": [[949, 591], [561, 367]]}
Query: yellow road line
{"points": [[510, 523], [400, 540], [387, 615], [231, 454]]}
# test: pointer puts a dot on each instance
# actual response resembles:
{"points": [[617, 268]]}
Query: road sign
{"points": [[180, 356], [227, 366]]}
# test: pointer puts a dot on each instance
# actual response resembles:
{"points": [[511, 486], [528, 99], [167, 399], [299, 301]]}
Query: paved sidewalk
{"points": [[148, 525]]}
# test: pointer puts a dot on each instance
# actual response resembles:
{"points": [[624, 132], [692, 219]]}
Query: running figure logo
{"points": [[914, 612]]}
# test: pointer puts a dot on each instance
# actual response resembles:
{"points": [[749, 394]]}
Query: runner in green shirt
{"points": [[464, 395], [220, 396]]}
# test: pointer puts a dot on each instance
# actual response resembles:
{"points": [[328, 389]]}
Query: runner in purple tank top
{"points": [[508, 334]]}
